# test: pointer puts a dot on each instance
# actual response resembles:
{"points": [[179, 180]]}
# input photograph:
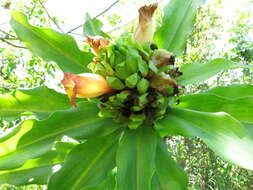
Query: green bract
{"points": [[115, 141]]}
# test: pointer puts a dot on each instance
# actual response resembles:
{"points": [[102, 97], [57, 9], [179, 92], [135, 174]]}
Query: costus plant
{"points": [[122, 97]]}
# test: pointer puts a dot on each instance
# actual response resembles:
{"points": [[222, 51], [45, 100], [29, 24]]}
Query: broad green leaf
{"points": [[221, 132], [89, 162], [239, 108], [108, 184], [41, 100], [9, 139], [136, 158], [155, 184], [198, 72], [233, 91], [178, 21], [169, 174], [37, 171], [93, 27], [51, 45], [34, 138]]}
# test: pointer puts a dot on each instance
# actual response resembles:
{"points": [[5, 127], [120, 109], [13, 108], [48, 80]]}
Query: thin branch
{"points": [[73, 29], [11, 44], [8, 38], [76, 34], [107, 9], [8, 34], [104, 11], [50, 16]]}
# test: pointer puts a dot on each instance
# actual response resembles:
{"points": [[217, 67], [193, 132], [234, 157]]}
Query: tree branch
{"points": [[107, 9], [9, 38], [76, 34], [104, 11], [8, 34], [11, 44], [50, 16]]}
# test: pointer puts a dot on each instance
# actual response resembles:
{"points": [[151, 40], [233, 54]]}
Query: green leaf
{"points": [[33, 138], [37, 171], [92, 27], [155, 184], [90, 162], [198, 72], [221, 132], [240, 107], [41, 100], [178, 20], [135, 159], [51, 45], [232, 91], [170, 175]]}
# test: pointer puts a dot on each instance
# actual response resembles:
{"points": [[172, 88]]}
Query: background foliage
{"points": [[213, 36]]}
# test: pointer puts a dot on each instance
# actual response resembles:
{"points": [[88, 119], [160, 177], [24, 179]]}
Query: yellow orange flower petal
{"points": [[144, 30], [97, 44], [86, 85]]}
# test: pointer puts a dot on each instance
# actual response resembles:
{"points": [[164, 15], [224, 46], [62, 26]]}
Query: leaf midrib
{"points": [[77, 182]]}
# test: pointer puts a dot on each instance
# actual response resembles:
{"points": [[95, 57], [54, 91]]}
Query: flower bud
{"points": [[86, 85], [144, 31], [97, 43]]}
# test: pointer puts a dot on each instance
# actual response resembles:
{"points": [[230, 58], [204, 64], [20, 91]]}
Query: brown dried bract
{"points": [[162, 58], [144, 30], [162, 81], [146, 12]]}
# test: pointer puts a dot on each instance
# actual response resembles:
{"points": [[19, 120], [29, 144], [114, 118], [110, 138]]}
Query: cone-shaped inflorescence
{"points": [[142, 78]]}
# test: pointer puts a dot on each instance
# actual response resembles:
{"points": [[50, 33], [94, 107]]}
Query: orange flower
{"points": [[97, 44], [86, 85], [144, 30]]}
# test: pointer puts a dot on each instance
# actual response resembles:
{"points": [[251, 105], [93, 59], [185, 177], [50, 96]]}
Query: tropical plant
{"points": [[126, 95]]}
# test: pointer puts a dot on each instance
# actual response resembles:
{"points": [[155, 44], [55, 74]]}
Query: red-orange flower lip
{"points": [[86, 85]]}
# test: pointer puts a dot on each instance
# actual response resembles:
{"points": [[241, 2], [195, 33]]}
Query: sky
{"points": [[73, 11]]}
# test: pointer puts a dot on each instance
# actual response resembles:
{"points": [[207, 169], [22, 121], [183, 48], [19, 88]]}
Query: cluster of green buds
{"points": [[142, 79], [138, 80]]}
